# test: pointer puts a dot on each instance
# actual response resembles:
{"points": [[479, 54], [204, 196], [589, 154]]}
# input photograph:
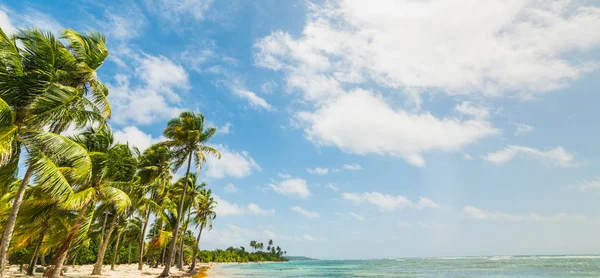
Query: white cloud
{"points": [[308, 214], [522, 129], [296, 187], [467, 156], [136, 137], [232, 164], [507, 47], [226, 208], [587, 185], [386, 202], [255, 209], [230, 188], [123, 22], [177, 10], [352, 167], [5, 22], [155, 98], [225, 129], [308, 237], [332, 187], [557, 157], [479, 214], [318, 171], [467, 108], [253, 99], [390, 132], [357, 216]]}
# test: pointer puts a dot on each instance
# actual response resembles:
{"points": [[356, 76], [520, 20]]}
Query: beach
{"points": [[131, 270]]}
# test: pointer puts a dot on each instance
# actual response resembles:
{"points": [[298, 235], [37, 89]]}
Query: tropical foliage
{"points": [[82, 196]]}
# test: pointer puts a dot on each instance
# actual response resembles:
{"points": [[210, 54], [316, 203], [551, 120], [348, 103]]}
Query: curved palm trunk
{"points": [[12, 218], [36, 253], [75, 257], [100, 257], [180, 262], [116, 250], [103, 228], [167, 268], [142, 242], [197, 248], [61, 253]]}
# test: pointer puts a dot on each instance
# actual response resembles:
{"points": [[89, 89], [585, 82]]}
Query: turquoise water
{"points": [[496, 266]]}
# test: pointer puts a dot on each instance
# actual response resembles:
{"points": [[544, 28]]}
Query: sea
{"points": [[492, 266]]}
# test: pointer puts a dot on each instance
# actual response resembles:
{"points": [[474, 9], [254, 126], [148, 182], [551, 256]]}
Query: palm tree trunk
{"points": [[167, 268], [36, 253], [103, 228], [180, 262], [43, 259], [116, 250], [61, 253], [100, 257], [197, 247], [12, 218], [140, 263]]}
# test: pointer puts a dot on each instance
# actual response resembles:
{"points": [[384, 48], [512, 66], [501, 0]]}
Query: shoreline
{"points": [[203, 270]]}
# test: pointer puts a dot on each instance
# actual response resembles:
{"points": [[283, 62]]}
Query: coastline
{"points": [[211, 270]]}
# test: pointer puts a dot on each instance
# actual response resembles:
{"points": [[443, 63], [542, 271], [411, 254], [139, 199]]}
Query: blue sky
{"points": [[379, 129]]}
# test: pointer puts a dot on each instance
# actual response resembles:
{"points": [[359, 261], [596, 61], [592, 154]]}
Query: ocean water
{"points": [[494, 266]]}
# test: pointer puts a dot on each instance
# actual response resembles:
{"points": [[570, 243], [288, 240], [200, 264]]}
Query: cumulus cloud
{"points": [[306, 213], [153, 96], [353, 59], [557, 157], [226, 208], [388, 131], [440, 44], [293, 187], [318, 171], [386, 202], [232, 164], [479, 214], [135, 137]]}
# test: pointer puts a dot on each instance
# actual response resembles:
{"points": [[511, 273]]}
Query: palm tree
{"points": [[192, 200], [204, 215], [154, 172], [186, 136], [43, 84], [113, 168]]}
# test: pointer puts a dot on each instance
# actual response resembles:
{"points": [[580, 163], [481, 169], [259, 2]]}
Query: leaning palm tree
{"points": [[187, 137], [46, 86], [155, 174], [203, 216], [112, 166]]}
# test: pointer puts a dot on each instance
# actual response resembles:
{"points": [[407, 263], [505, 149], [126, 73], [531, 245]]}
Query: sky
{"points": [[357, 129]]}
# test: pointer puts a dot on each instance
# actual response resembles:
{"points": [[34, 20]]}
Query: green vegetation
{"points": [[83, 196]]}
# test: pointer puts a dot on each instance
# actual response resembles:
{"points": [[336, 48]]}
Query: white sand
{"points": [[120, 271]]}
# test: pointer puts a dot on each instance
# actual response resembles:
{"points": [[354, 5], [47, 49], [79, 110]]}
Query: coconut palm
{"points": [[204, 215], [154, 173], [113, 168], [45, 86], [192, 198], [186, 136]]}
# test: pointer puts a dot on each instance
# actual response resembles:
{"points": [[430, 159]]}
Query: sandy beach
{"points": [[204, 270]]}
